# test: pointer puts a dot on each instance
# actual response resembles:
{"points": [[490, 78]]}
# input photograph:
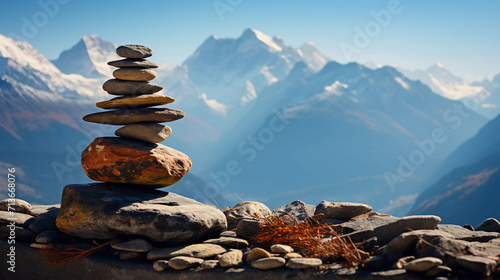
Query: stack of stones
{"points": [[133, 165], [141, 122]]}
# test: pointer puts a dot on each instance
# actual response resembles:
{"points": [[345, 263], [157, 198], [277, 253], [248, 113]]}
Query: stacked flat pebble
{"points": [[142, 127]]}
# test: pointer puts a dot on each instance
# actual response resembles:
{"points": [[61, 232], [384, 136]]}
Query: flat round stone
{"points": [[133, 63], [135, 101], [148, 132], [134, 74], [120, 87], [120, 117], [134, 51]]}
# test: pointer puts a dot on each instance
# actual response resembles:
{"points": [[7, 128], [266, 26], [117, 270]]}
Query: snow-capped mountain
{"points": [[443, 82], [338, 133], [88, 58], [345, 125], [23, 66], [232, 72]]}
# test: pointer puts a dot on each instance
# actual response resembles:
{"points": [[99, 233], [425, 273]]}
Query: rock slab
{"points": [[133, 63], [135, 101], [137, 115], [147, 132], [106, 211], [341, 210], [119, 160], [120, 87]]}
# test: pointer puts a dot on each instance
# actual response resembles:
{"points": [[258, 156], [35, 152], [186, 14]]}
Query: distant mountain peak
{"points": [[88, 57], [438, 65], [254, 34]]}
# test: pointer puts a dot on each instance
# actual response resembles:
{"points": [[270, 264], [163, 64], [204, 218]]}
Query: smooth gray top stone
{"points": [[133, 63], [134, 51], [490, 224], [121, 87], [296, 209], [15, 204], [341, 210]]}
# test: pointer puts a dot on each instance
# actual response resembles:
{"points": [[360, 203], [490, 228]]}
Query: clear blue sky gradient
{"points": [[462, 35]]}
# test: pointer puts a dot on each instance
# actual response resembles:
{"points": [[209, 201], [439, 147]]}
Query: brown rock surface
{"points": [[133, 63], [119, 87], [135, 101], [113, 159], [134, 74], [120, 117], [148, 132]]}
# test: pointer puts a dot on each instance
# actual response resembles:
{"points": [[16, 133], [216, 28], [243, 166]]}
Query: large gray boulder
{"points": [[107, 210], [245, 209]]}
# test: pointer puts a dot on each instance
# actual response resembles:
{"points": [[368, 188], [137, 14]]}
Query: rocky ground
{"points": [[207, 243]]}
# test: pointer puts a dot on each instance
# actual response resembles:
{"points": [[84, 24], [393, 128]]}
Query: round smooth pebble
{"points": [[202, 251], [268, 263], [160, 265], [257, 253], [230, 258], [16, 205], [133, 63], [121, 117], [300, 263], [423, 264], [135, 101], [135, 245], [281, 249], [121, 87], [228, 233], [134, 51], [48, 236], [148, 132], [134, 74], [292, 255], [181, 262]]}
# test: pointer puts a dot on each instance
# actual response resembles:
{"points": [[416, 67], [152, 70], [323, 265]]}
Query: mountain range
{"points": [[483, 97], [469, 190], [291, 123]]}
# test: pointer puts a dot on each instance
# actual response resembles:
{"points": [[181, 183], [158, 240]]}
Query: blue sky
{"points": [[462, 35]]}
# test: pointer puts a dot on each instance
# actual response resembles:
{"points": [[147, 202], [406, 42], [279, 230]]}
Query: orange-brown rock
{"points": [[119, 160]]}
